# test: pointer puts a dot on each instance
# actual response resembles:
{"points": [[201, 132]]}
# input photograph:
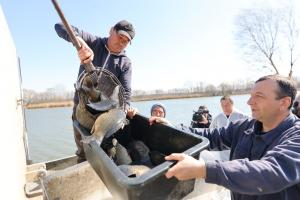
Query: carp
{"points": [[85, 118], [106, 103], [107, 124], [89, 88], [119, 154]]}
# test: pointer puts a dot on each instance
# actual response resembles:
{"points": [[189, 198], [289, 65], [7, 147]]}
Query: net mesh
{"points": [[106, 84]]}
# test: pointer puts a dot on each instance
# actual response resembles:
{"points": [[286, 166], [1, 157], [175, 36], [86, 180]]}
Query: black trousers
{"points": [[77, 137]]}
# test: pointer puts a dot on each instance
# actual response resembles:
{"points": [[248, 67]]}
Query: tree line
{"points": [[55, 94], [58, 94]]}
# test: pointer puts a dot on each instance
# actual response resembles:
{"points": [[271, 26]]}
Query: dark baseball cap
{"points": [[125, 28]]}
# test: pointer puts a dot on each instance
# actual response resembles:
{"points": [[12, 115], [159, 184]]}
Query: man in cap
{"points": [[158, 110], [158, 114], [201, 118], [107, 52]]}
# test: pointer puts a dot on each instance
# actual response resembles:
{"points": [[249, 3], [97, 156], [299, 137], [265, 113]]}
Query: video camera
{"points": [[294, 108], [198, 118], [198, 115]]}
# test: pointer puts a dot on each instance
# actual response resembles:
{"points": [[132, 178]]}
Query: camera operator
{"points": [[201, 118], [296, 106]]}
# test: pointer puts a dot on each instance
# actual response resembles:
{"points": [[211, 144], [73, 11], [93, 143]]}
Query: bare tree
{"points": [[264, 33], [292, 34], [211, 89], [57, 93], [225, 88], [138, 92]]}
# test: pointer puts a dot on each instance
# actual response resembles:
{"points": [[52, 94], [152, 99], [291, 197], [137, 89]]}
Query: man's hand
{"points": [[85, 53], [204, 119], [131, 111], [160, 120], [186, 168]]}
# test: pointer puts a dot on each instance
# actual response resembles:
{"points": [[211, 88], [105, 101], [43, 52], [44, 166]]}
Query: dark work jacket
{"points": [[262, 166], [118, 64]]}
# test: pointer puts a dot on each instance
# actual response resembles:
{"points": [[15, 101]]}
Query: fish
{"points": [[139, 153], [106, 103], [133, 170], [85, 118], [107, 124], [119, 154], [89, 88]]}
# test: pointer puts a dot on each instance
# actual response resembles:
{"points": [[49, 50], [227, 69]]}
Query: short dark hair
{"points": [[286, 87], [202, 107], [226, 97]]}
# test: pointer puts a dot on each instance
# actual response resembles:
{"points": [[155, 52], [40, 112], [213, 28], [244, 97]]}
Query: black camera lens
{"points": [[295, 108], [197, 117]]}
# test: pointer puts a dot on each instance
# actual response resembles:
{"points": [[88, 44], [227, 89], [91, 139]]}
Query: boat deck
{"points": [[66, 180]]}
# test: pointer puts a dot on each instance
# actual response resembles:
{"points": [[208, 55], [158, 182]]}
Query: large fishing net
{"points": [[100, 87]]}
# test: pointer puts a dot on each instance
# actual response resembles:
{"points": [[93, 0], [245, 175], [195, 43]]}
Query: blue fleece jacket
{"points": [[118, 64], [262, 166]]}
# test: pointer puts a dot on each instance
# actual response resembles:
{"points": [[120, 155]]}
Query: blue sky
{"points": [[177, 43]]}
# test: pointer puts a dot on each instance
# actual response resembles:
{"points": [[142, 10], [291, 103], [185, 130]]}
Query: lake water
{"points": [[50, 132]]}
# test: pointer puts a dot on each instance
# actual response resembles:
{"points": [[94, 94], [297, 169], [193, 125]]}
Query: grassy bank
{"points": [[134, 99], [166, 96], [49, 104]]}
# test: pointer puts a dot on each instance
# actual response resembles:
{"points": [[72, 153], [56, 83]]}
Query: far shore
{"points": [[55, 104], [152, 97], [69, 103]]}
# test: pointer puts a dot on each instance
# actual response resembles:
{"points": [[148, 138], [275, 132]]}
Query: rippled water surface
{"points": [[50, 133]]}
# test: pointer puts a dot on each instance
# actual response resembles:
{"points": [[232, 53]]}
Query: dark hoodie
{"points": [[262, 166], [118, 64]]}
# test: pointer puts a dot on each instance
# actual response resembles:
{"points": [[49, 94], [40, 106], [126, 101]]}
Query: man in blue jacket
{"points": [[264, 151], [108, 53]]}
